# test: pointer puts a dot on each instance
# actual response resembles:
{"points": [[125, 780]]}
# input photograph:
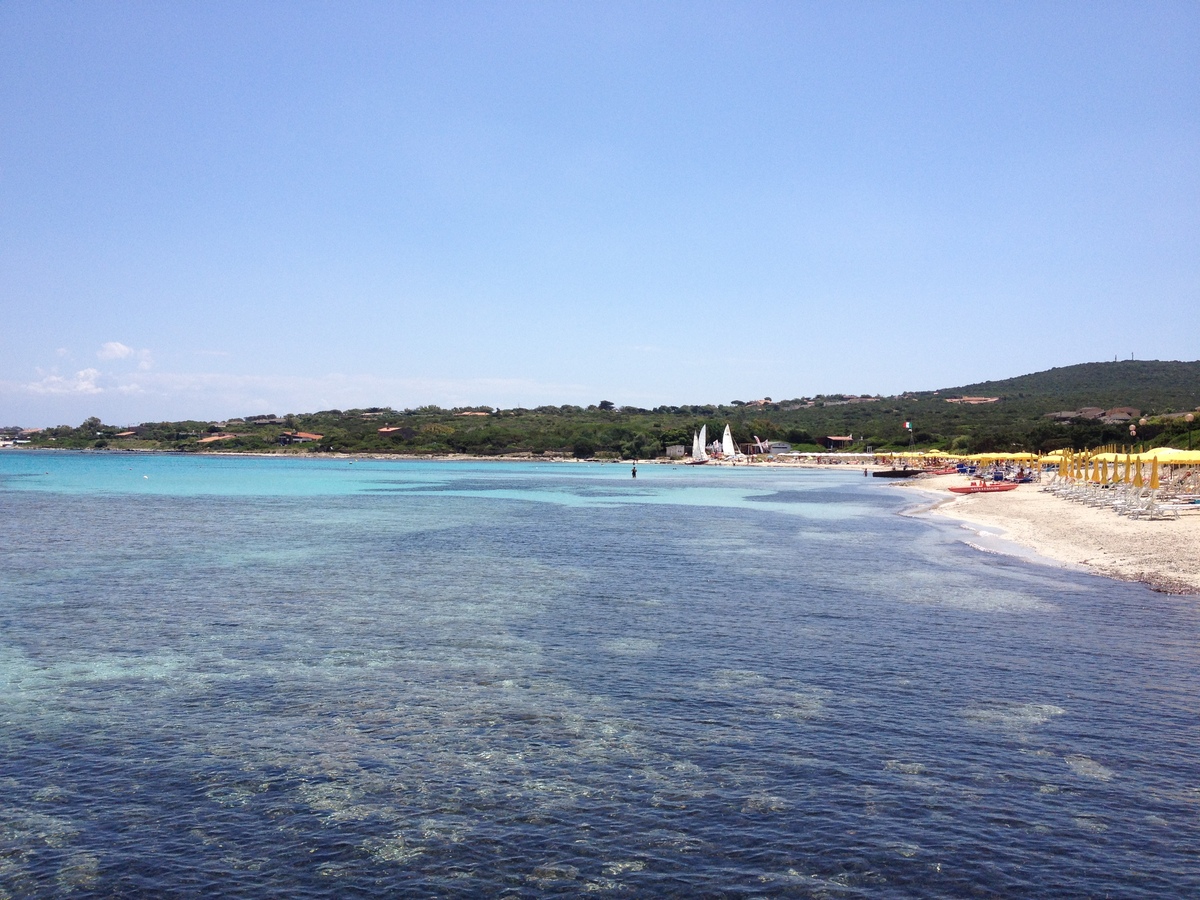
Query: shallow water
{"points": [[310, 678]]}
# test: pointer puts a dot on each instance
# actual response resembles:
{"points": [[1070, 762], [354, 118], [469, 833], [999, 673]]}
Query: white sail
{"points": [[695, 445], [698, 451], [727, 446]]}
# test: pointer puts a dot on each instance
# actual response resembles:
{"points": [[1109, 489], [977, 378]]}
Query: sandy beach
{"points": [[1164, 554]]}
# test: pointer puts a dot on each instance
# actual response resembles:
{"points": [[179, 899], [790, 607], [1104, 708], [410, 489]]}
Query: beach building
{"points": [[1120, 415], [397, 432], [298, 437]]}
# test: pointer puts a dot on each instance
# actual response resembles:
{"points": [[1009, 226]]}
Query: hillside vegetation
{"points": [[1016, 419]]}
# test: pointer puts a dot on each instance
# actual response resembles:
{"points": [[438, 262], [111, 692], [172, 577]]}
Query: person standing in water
{"points": [[634, 471]]}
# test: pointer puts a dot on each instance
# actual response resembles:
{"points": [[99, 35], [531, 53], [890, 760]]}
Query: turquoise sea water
{"points": [[309, 678]]}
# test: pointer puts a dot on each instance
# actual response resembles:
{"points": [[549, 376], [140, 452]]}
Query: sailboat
{"points": [[728, 447], [699, 454]]}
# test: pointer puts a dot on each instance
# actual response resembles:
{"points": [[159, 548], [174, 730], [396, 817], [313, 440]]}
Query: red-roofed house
{"points": [[403, 432], [299, 437]]}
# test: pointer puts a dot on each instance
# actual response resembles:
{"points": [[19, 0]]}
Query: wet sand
{"points": [[1164, 554]]}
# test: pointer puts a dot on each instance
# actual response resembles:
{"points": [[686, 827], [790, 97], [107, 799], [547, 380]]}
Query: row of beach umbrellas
{"points": [[1166, 456], [1114, 467]]}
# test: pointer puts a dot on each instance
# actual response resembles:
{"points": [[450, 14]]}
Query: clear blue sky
{"points": [[213, 209]]}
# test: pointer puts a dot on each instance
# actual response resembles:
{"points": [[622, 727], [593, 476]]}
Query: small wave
{"points": [[1091, 823], [764, 803], [1014, 716], [1086, 767], [552, 874], [631, 646], [393, 849], [622, 866], [905, 768]]}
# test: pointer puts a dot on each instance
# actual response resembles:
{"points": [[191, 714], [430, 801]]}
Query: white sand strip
{"points": [[1164, 554]]}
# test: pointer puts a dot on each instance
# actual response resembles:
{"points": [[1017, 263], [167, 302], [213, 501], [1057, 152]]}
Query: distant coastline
{"points": [[1146, 403]]}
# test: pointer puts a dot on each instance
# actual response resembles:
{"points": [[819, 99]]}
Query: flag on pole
{"points": [[908, 425]]}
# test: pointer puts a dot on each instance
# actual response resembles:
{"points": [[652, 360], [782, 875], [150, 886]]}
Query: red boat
{"points": [[983, 487]]}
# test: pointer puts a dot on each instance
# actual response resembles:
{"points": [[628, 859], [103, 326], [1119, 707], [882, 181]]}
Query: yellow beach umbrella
{"points": [[1154, 474], [1128, 463], [1137, 474]]}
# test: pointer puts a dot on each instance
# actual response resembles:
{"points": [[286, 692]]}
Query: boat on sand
{"points": [[982, 487]]}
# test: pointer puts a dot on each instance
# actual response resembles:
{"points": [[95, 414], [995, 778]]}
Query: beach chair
{"points": [[1152, 508], [1135, 500]]}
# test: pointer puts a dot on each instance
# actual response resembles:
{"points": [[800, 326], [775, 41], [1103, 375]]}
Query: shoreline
{"points": [[1027, 523], [458, 457], [1162, 554]]}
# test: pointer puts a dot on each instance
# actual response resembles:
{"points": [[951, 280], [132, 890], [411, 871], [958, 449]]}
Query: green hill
{"points": [[1016, 419], [1149, 385]]}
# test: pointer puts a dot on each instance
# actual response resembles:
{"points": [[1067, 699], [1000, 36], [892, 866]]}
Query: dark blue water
{"points": [[305, 678]]}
